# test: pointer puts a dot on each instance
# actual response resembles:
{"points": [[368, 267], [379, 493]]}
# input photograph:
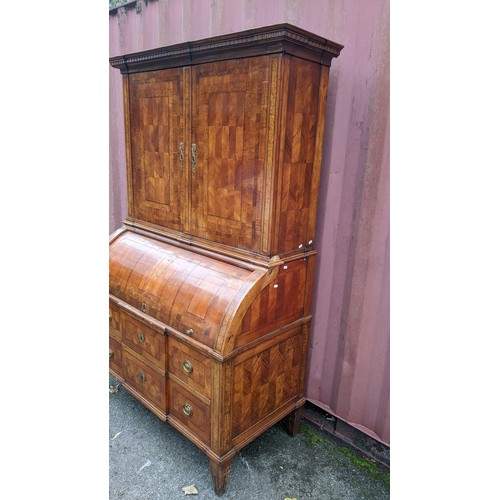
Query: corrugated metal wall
{"points": [[349, 368]]}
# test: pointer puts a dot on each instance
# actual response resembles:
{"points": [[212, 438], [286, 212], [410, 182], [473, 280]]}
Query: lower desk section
{"points": [[221, 405], [216, 347]]}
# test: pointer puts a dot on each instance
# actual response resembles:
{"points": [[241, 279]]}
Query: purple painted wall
{"points": [[349, 368]]}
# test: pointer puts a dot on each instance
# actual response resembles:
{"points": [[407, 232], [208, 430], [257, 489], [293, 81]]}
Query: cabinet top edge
{"points": [[278, 38]]}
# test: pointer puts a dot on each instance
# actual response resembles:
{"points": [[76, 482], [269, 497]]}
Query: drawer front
{"points": [[114, 322], [144, 340], [190, 366], [115, 355], [193, 413], [148, 382]]}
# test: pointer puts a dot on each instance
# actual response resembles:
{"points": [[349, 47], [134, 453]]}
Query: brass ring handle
{"points": [[141, 337], [187, 366], [189, 331], [142, 377], [186, 408], [111, 353]]}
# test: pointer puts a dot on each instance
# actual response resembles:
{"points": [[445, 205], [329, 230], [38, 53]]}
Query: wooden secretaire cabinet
{"points": [[211, 274]]}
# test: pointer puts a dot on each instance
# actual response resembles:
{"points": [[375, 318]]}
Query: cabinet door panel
{"points": [[230, 102], [156, 129]]}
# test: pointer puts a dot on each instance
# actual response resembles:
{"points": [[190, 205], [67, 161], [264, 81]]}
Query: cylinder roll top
{"points": [[192, 293]]}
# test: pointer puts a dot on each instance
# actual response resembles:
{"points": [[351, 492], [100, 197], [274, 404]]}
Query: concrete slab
{"points": [[149, 460]]}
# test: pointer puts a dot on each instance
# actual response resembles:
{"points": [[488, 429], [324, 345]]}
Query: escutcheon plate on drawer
{"points": [[143, 340], [191, 367], [193, 413], [148, 382]]}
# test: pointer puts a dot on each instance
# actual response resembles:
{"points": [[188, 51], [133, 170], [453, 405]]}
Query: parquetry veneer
{"points": [[211, 274]]}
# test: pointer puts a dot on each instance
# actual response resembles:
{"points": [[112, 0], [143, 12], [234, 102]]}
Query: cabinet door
{"points": [[156, 134], [229, 119]]}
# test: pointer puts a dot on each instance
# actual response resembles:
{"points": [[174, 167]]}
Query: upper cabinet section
{"points": [[224, 139]]}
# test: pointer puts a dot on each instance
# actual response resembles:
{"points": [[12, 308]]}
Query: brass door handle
{"points": [[181, 155], [187, 366], [193, 158], [141, 337], [186, 408]]}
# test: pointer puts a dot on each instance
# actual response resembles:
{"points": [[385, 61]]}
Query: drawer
{"points": [[115, 355], [147, 381], [189, 410], [192, 367], [144, 340], [114, 322]]}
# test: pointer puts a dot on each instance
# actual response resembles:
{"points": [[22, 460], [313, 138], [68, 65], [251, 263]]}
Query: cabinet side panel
{"points": [[302, 120], [271, 155], [278, 304], [267, 381]]}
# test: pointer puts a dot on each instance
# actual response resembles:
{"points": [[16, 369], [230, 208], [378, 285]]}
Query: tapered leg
{"points": [[292, 421], [220, 475]]}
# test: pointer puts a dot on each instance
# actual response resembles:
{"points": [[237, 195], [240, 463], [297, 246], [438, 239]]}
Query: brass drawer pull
{"points": [[111, 353], [141, 337], [187, 366], [189, 331], [186, 408], [110, 317], [142, 377]]}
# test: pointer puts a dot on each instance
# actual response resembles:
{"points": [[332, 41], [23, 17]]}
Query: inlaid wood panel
{"points": [[115, 355], [299, 154], [190, 366], [264, 382], [280, 303], [157, 131], [114, 322], [185, 290], [230, 102], [148, 382], [193, 413], [146, 342]]}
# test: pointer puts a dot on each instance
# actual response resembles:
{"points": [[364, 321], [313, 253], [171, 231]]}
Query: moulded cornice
{"points": [[279, 38]]}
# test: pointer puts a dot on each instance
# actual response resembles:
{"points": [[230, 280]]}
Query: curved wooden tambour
{"points": [[201, 296]]}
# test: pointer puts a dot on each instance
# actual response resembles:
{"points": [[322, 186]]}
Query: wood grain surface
{"points": [[182, 289], [228, 153], [210, 281]]}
